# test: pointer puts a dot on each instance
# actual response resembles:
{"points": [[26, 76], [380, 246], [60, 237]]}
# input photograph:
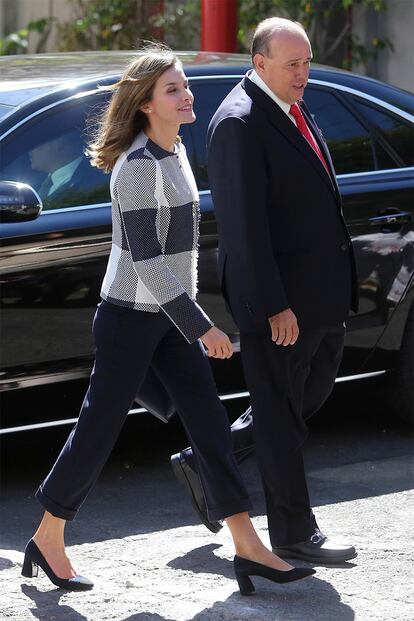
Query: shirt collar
{"points": [[256, 79], [62, 175]]}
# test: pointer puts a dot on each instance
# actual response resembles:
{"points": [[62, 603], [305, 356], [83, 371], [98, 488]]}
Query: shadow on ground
{"points": [[137, 492]]}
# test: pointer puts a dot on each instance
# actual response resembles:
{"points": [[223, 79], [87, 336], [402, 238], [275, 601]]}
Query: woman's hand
{"points": [[217, 343]]}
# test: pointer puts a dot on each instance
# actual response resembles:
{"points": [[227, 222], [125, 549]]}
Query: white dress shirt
{"points": [[256, 79]]}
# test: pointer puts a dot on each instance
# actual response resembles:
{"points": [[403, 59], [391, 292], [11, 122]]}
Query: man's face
{"points": [[53, 154], [286, 69], [42, 157]]}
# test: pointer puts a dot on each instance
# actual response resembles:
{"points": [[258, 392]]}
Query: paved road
{"points": [[137, 538]]}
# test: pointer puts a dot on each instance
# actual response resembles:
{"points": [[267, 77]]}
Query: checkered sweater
{"points": [[155, 216]]}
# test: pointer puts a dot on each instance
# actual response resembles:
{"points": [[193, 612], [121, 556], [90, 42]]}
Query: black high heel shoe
{"points": [[243, 568], [34, 558]]}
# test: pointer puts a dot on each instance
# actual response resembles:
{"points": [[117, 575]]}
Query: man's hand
{"points": [[217, 343], [285, 330]]}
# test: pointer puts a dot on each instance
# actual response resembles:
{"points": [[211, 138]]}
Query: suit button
{"points": [[344, 246]]}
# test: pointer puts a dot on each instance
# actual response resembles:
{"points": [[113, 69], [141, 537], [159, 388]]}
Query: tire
{"points": [[403, 396]]}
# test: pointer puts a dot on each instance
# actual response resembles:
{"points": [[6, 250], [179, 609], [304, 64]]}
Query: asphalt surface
{"points": [[138, 540]]}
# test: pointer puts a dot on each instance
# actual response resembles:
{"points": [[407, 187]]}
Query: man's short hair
{"points": [[267, 28]]}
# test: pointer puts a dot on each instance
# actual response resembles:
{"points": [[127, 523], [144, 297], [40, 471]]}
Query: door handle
{"points": [[391, 216]]}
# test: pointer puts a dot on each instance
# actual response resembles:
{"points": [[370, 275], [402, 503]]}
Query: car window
{"points": [[398, 132], [208, 95], [352, 147], [5, 110], [48, 153]]}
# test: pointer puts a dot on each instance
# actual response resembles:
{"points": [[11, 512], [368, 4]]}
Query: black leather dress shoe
{"points": [[318, 549], [188, 477]]}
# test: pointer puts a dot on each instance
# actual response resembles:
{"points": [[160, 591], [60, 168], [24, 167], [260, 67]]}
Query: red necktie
{"points": [[306, 133]]}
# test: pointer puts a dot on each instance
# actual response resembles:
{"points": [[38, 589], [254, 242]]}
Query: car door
{"points": [[52, 267], [375, 176]]}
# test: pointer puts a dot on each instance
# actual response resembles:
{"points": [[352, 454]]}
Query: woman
{"points": [[148, 317]]}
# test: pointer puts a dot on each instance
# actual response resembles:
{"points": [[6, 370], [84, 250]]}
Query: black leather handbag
{"points": [[153, 397]]}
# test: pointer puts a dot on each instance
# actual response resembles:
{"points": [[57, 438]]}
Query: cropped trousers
{"points": [[127, 343]]}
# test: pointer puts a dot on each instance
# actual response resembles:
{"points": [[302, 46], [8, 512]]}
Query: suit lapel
{"points": [[285, 126]]}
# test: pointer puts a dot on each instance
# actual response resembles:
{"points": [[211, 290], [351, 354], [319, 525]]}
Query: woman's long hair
{"points": [[122, 119]]}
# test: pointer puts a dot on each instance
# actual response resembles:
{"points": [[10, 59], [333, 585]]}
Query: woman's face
{"points": [[172, 100]]}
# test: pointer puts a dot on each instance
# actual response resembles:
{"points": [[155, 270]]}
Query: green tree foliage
{"points": [[18, 42], [104, 25], [180, 23], [327, 22], [123, 24]]}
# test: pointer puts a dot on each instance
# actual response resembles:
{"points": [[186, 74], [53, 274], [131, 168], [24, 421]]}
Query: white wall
{"points": [[396, 24], [398, 67], [16, 14]]}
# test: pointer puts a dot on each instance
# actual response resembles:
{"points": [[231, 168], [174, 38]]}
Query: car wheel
{"points": [[404, 384]]}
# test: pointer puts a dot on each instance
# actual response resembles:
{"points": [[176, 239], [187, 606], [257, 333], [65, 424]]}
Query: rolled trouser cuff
{"points": [[221, 513], [52, 507]]}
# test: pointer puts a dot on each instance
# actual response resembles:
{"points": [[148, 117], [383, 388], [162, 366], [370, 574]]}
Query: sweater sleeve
{"points": [[139, 207]]}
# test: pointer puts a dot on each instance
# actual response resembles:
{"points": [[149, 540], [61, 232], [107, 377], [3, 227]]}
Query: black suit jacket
{"points": [[282, 238]]}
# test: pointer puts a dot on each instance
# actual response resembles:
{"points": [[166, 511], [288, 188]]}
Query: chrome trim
{"points": [[91, 92], [35, 426], [71, 421], [19, 383], [49, 107], [9, 113], [76, 208], [224, 397], [60, 86], [389, 171], [234, 395], [383, 104], [339, 87], [359, 376], [376, 172]]}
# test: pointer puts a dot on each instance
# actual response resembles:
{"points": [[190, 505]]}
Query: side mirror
{"points": [[18, 202]]}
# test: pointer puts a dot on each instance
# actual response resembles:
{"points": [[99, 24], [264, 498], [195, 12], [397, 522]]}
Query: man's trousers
{"points": [[287, 385]]}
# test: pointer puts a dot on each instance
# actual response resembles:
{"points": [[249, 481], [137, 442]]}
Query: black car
{"points": [[54, 255]]}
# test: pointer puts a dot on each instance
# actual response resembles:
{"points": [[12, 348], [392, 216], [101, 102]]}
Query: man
{"points": [[69, 173], [287, 272]]}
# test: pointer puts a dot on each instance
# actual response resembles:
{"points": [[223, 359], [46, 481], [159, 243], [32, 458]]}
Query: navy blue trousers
{"points": [[287, 385], [127, 343]]}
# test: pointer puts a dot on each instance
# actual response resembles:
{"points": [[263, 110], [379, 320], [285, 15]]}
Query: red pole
{"points": [[154, 9], [219, 25]]}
